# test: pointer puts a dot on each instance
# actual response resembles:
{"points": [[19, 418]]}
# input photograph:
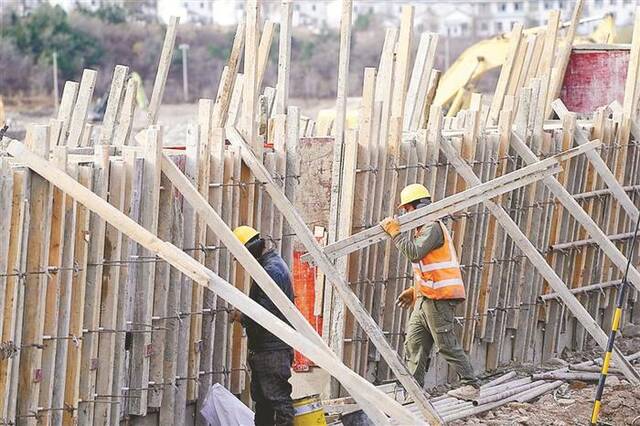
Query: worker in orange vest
{"points": [[438, 289]]}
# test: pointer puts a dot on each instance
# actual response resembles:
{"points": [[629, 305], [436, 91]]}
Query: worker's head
{"points": [[413, 197], [250, 238]]}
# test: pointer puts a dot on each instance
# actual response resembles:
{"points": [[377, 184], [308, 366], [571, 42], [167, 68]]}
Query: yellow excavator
{"points": [[479, 59]]}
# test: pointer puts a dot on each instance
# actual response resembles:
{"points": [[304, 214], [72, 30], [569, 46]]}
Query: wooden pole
{"points": [[163, 70], [284, 57], [334, 306]]}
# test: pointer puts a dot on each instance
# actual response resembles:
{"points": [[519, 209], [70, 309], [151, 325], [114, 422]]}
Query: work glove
{"points": [[406, 298], [391, 226]]}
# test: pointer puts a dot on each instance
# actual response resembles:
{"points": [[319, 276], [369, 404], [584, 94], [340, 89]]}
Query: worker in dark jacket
{"points": [[269, 357]]}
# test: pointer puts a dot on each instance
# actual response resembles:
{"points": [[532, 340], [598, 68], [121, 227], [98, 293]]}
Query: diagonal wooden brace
{"points": [[576, 210], [601, 167], [203, 276], [538, 261], [453, 203], [251, 265], [305, 235]]}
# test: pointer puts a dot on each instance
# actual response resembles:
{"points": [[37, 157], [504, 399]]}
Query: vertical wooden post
{"points": [[81, 108], [35, 282], [110, 287], [163, 70], [284, 57], [91, 318], [141, 347]]}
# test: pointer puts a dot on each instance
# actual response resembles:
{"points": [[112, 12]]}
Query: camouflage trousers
{"points": [[270, 387], [432, 322]]}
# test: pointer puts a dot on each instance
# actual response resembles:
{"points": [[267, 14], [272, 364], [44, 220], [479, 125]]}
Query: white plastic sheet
{"points": [[222, 408]]}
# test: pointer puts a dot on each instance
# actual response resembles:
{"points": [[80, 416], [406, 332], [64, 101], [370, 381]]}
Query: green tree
{"points": [[47, 30]]}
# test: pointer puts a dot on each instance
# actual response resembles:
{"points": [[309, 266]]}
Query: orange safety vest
{"points": [[438, 274]]}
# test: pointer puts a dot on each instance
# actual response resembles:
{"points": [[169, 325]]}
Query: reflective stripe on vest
{"points": [[438, 274]]}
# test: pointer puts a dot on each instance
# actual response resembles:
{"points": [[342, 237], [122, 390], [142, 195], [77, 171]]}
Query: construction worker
{"points": [[268, 357], [437, 290]]}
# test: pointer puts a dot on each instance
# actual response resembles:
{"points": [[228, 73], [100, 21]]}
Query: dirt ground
{"points": [[571, 404]]}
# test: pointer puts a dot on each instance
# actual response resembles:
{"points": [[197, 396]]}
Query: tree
{"points": [[47, 30]]}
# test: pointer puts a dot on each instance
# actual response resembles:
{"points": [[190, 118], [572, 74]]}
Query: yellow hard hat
{"points": [[412, 193], [245, 233]]}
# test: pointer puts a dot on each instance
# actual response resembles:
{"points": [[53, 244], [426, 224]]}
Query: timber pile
{"points": [[116, 252]]}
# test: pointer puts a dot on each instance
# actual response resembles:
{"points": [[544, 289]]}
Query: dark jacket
{"points": [[259, 339]]}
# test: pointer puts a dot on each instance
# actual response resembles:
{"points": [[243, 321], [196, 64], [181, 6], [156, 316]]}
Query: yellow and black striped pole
{"points": [[615, 326]]}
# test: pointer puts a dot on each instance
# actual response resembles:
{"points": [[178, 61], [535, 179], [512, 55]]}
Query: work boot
{"points": [[467, 393]]}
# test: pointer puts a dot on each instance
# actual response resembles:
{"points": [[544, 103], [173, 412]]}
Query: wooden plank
{"points": [[284, 57], [487, 287], [420, 76], [110, 288], [91, 317], [506, 73], [280, 154], [306, 237], [129, 252], [69, 95], [192, 165], [81, 108], [76, 305], [107, 130], [384, 86], [16, 268], [214, 197], [250, 89], [160, 292], [168, 412], [401, 76], [236, 100], [203, 276], [229, 73], [364, 200], [56, 247], [143, 295], [266, 39], [335, 207], [6, 200], [35, 283], [292, 168], [631, 88], [163, 70], [563, 57], [125, 118], [344, 229], [205, 109], [65, 280], [434, 81]]}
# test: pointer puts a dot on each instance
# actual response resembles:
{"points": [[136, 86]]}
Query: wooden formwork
{"points": [[99, 325]]}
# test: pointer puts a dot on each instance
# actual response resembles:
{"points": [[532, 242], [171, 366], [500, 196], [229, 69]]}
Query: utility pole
{"points": [[56, 94], [447, 52], [185, 79]]}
